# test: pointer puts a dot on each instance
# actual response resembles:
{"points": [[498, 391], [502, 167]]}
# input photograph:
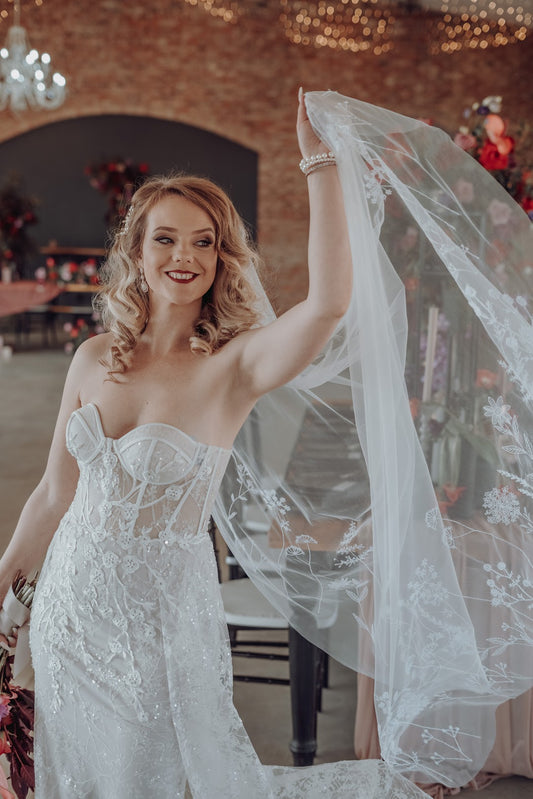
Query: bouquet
{"points": [[16, 703]]}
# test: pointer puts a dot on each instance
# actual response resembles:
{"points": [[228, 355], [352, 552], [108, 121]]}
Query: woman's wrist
{"points": [[318, 161]]}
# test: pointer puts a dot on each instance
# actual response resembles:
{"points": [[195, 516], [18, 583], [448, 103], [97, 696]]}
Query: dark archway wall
{"points": [[51, 161], [169, 60]]}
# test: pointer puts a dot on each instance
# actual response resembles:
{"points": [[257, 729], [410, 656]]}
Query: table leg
{"points": [[303, 671]]}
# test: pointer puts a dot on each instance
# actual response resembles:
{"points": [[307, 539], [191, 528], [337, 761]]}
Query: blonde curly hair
{"points": [[228, 308]]}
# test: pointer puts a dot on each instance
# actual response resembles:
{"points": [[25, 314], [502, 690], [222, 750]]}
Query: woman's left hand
{"points": [[308, 141]]}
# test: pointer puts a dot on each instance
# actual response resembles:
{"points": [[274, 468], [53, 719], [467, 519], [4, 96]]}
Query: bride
{"points": [[429, 593], [129, 647]]}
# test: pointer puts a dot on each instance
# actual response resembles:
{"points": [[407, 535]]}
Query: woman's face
{"points": [[179, 257]]}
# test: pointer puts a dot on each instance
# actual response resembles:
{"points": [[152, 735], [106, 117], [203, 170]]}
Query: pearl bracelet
{"points": [[314, 162]]}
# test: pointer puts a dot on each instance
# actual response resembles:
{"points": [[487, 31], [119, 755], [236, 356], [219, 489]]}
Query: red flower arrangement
{"points": [[80, 330], [17, 212], [117, 179], [485, 136], [16, 705], [16, 730], [85, 272]]}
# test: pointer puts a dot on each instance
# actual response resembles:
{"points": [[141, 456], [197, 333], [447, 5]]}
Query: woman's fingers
{"points": [[302, 111], [10, 641]]}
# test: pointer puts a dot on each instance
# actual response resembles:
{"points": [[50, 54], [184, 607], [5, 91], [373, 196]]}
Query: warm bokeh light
{"points": [[227, 10], [7, 7], [478, 24], [356, 25]]}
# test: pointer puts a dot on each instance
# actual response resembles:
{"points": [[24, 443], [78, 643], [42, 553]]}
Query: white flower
{"points": [[110, 559], [305, 539], [493, 102], [109, 459], [294, 551], [447, 537], [275, 503], [498, 413], [129, 511], [174, 492], [427, 589], [501, 505], [433, 518], [130, 564], [136, 615], [65, 273], [96, 577]]}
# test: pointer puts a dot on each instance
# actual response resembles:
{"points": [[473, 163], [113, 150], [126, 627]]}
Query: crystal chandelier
{"points": [[479, 24], [354, 25], [26, 78]]}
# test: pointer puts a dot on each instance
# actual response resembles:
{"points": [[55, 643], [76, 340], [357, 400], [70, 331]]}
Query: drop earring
{"points": [[144, 284]]}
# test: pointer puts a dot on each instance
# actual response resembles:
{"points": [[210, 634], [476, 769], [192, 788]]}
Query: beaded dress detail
{"points": [[133, 679]]}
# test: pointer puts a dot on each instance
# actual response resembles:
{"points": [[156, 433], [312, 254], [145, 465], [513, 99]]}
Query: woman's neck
{"points": [[170, 327]]}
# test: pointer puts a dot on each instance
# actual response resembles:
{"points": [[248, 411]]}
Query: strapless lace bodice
{"points": [[144, 482]]}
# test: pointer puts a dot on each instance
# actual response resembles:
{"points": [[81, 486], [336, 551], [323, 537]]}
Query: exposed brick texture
{"points": [[169, 60]]}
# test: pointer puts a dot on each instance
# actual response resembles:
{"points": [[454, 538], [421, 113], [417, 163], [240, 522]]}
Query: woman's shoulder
{"points": [[93, 349]]}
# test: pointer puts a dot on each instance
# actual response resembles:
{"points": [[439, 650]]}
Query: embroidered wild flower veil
{"points": [[390, 518]]}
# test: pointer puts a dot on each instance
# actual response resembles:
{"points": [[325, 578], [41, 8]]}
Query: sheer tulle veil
{"points": [[383, 500]]}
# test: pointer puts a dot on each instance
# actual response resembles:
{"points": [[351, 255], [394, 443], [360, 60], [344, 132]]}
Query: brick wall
{"points": [[169, 60]]}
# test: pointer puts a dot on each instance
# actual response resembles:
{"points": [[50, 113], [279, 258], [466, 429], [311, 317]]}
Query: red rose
{"points": [[491, 158]]}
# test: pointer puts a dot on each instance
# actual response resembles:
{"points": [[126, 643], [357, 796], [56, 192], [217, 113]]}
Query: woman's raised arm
{"points": [[276, 353]]}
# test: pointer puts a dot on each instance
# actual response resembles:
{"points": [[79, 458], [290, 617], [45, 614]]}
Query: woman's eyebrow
{"points": [[175, 230]]}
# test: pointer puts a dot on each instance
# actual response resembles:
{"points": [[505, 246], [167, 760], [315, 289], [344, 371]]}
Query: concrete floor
{"points": [[30, 391]]}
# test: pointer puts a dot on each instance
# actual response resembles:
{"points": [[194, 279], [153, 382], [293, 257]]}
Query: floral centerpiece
{"points": [[69, 272], [485, 135], [116, 179], [17, 213], [80, 330]]}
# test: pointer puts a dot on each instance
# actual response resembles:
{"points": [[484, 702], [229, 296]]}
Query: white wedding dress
{"points": [[133, 681]]}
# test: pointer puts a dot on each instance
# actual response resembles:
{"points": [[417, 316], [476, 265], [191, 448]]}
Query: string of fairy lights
{"points": [[369, 25], [479, 25], [346, 25], [358, 26]]}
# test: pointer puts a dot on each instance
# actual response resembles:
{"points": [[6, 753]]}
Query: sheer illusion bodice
{"points": [[129, 643]]}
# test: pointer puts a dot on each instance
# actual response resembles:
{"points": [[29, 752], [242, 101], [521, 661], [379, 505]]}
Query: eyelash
{"points": [[200, 242]]}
